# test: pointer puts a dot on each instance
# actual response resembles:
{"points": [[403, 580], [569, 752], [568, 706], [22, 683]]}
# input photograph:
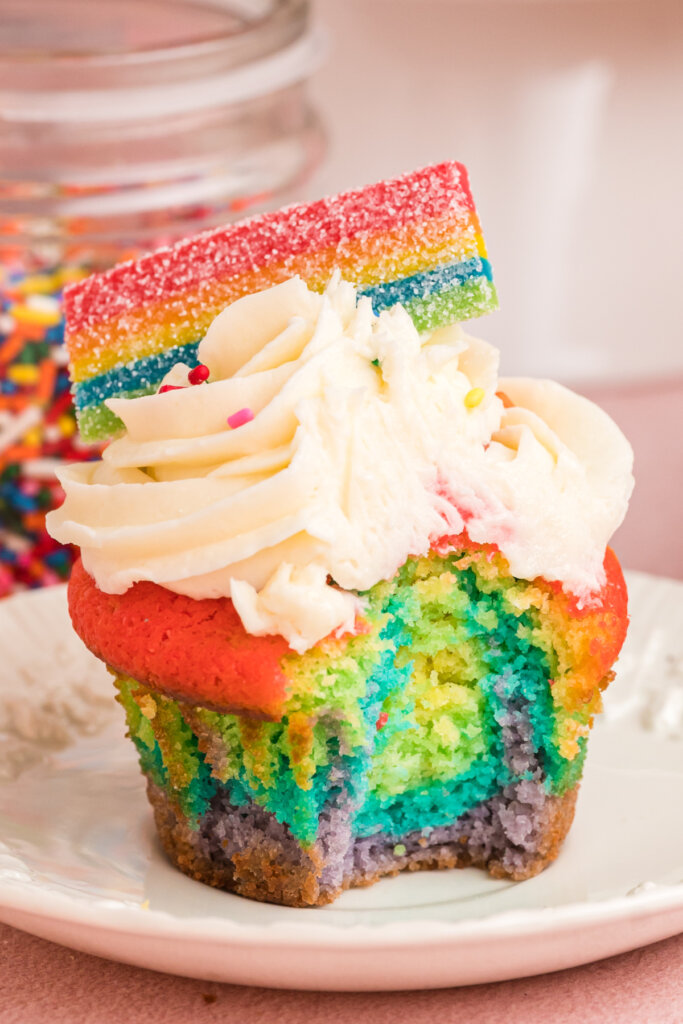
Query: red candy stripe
{"points": [[269, 239]]}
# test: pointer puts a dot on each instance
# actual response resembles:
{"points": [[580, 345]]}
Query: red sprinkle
{"points": [[169, 387], [239, 418], [199, 374], [382, 720]]}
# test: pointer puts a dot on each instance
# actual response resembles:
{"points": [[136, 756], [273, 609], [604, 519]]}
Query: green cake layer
{"points": [[445, 700]]}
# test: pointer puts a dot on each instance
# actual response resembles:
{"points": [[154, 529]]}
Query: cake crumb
{"points": [[148, 706]]}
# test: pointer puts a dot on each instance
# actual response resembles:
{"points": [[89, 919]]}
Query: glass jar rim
{"points": [[279, 12], [259, 55]]}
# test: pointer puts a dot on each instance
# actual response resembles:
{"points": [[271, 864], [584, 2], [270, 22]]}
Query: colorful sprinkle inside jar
{"points": [[122, 128]]}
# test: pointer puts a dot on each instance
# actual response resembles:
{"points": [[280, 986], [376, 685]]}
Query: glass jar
{"points": [[124, 125]]}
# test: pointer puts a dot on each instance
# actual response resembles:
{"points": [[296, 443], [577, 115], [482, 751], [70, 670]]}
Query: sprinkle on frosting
{"points": [[199, 374], [239, 418], [474, 397]]}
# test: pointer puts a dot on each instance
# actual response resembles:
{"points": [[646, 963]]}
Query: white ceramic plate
{"points": [[79, 862]]}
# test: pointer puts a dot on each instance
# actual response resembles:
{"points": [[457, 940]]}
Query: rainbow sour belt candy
{"points": [[414, 240]]}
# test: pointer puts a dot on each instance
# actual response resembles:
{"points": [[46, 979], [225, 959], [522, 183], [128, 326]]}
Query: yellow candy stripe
{"points": [[386, 257]]}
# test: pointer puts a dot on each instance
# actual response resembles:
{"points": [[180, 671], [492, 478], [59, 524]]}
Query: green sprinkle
{"points": [[399, 850]]}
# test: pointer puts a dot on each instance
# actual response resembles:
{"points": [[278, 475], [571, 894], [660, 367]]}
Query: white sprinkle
{"points": [[41, 469], [59, 355], [10, 432], [44, 303], [52, 432], [14, 542]]}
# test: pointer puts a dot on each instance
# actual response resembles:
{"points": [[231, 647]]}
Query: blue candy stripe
{"points": [[136, 375], [147, 372], [419, 286]]}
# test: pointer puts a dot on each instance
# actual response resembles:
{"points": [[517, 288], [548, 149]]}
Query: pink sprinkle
{"points": [[169, 387], [382, 720], [238, 419], [199, 374]]}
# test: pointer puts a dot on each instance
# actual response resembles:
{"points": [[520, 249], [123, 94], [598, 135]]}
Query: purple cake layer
{"points": [[246, 850]]}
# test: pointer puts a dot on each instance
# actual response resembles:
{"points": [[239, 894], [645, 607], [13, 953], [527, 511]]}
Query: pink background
{"points": [[567, 114], [651, 416]]}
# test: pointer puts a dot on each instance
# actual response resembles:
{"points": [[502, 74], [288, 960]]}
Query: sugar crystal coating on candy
{"points": [[414, 240]]}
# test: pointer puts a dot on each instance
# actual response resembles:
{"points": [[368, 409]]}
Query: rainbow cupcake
{"points": [[355, 592], [449, 731]]}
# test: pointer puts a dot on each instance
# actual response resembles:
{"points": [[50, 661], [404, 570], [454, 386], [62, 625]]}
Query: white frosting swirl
{"points": [[346, 468]]}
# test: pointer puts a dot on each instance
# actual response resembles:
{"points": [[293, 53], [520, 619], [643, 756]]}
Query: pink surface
{"points": [[40, 981], [44, 982]]}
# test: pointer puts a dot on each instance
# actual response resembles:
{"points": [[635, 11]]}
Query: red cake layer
{"points": [[611, 609], [191, 650], [199, 651]]}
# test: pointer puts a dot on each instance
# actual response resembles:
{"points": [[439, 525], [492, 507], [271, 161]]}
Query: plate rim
{"points": [[148, 923]]}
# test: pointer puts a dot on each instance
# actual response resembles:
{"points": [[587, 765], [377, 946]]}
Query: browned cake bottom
{"points": [[248, 852]]}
